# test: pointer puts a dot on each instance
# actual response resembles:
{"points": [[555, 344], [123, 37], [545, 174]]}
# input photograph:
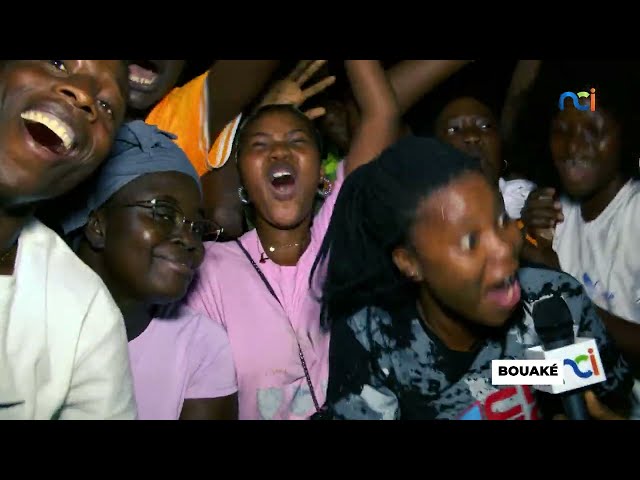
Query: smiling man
{"points": [[63, 351]]}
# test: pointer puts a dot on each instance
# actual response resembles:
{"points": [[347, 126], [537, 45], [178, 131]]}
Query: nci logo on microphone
{"points": [[592, 367], [553, 371]]}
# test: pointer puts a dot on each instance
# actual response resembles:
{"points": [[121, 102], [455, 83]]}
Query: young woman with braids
{"points": [[257, 287], [423, 290]]}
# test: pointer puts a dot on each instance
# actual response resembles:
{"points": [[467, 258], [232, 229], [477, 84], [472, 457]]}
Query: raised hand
{"points": [[541, 212], [291, 90]]}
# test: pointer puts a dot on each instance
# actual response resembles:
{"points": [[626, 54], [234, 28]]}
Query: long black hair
{"points": [[373, 214]]}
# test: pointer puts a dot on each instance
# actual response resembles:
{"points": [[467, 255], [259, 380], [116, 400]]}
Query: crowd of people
{"points": [[268, 239]]}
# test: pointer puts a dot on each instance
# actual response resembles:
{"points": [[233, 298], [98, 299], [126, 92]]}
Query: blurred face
{"points": [[339, 123], [149, 255], [466, 251], [58, 119], [585, 147], [280, 168], [151, 80], [469, 126]]}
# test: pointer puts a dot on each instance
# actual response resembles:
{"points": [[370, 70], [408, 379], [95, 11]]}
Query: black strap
{"points": [[264, 279], [300, 354]]}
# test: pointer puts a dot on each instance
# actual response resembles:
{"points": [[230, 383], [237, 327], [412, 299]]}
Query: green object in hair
{"points": [[330, 165]]}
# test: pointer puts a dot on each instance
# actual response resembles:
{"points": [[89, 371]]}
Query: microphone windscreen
{"points": [[552, 320]]}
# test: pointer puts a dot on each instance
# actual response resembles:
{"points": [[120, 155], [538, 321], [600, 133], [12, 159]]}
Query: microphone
{"points": [[554, 325]]}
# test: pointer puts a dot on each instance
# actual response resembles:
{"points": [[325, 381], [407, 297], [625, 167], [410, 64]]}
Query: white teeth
{"points": [[572, 162], [57, 126], [281, 174], [510, 293], [140, 80]]}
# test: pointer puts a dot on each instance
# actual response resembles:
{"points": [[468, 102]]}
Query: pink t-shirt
{"points": [[184, 355], [271, 381]]}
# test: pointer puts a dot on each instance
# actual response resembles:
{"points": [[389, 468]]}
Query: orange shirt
{"points": [[185, 113]]}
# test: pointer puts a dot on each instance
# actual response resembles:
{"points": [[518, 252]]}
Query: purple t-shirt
{"points": [[262, 332], [177, 357]]}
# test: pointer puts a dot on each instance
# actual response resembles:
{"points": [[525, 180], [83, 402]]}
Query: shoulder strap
{"points": [[300, 354], [262, 277]]}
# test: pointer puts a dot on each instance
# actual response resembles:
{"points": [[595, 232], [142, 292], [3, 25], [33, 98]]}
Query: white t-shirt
{"points": [[603, 254], [515, 193]]}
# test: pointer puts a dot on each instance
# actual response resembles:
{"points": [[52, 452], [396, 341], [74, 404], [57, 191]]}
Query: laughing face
{"points": [[279, 164], [58, 121], [151, 80], [585, 147]]}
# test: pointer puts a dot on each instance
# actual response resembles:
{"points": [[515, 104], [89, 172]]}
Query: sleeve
{"points": [[515, 194], [185, 112], [627, 265], [101, 384], [212, 371], [204, 293], [220, 151], [616, 389], [323, 217], [356, 389]]}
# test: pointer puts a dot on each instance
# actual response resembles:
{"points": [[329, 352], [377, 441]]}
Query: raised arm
{"points": [[523, 77], [232, 86], [413, 79], [379, 112]]}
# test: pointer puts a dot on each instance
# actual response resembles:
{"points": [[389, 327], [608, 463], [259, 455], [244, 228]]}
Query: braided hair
{"points": [[373, 214]]}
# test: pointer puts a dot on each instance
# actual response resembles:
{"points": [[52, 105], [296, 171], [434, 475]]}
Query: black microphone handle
{"points": [[575, 406]]}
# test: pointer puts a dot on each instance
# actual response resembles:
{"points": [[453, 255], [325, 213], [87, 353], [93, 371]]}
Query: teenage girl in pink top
{"points": [[258, 287]]}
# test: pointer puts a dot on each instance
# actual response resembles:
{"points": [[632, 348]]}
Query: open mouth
{"points": [[506, 293], [49, 131], [283, 180], [143, 73], [577, 170]]}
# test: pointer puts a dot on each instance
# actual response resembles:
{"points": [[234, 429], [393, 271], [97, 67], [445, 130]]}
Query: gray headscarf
{"points": [[139, 149]]}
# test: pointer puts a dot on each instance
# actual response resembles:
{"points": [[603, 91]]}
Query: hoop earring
{"points": [[506, 165], [326, 187], [242, 193]]}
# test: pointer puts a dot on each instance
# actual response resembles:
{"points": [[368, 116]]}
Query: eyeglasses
{"points": [[170, 218]]}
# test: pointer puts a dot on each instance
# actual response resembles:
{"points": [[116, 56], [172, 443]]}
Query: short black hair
{"points": [[486, 82], [285, 107]]}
